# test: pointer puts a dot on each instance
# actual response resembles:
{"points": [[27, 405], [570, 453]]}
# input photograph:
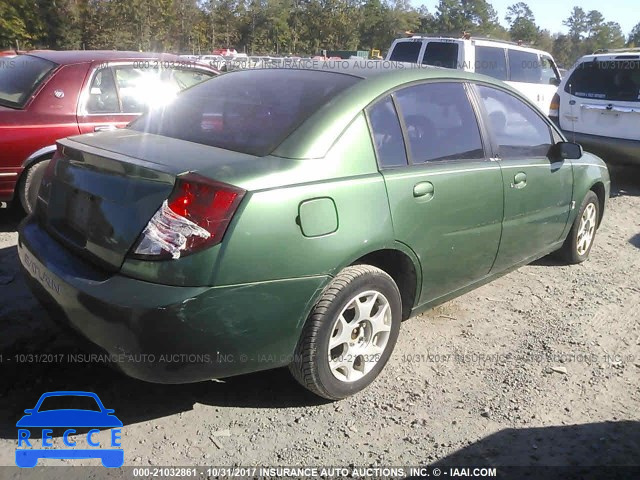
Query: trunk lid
{"points": [[103, 189]]}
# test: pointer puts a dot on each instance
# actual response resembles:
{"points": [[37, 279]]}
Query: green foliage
{"points": [[522, 22], [261, 27], [634, 37]]}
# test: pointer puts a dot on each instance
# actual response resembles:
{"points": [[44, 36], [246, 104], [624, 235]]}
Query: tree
{"points": [[634, 37], [577, 23], [522, 22], [13, 27], [563, 51], [475, 16]]}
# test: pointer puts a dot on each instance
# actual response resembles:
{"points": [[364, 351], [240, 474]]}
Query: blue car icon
{"points": [[72, 417]]}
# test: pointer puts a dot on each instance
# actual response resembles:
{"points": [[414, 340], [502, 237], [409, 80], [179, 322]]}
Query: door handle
{"points": [[423, 190], [520, 180], [103, 128]]}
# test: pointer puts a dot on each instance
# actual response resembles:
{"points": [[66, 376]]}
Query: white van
{"points": [[531, 71], [598, 104]]}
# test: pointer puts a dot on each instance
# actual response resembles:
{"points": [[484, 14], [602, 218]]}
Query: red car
{"points": [[48, 95]]}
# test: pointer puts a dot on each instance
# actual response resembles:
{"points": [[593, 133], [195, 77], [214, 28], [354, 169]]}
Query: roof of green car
{"points": [[316, 135]]}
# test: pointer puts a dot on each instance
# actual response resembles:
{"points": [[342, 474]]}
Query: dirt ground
{"points": [[540, 367]]}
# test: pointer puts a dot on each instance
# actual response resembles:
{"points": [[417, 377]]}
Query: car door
{"points": [[445, 195], [525, 75], [537, 191], [99, 107], [549, 80]]}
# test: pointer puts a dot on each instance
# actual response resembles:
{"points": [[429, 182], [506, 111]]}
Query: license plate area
{"points": [[80, 209]]}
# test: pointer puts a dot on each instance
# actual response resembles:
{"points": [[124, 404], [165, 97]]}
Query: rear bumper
{"points": [[613, 150], [167, 334]]}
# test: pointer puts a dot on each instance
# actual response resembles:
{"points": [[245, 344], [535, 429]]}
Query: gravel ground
{"points": [[540, 367]]}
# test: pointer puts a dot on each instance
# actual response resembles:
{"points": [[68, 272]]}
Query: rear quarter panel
{"points": [[589, 172], [267, 241]]}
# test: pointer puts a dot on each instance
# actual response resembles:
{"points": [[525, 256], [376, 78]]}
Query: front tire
{"points": [[30, 184], [350, 333], [578, 244]]}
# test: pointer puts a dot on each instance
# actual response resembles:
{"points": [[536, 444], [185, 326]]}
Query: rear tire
{"points": [[30, 184], [578, 244], [359, 315]]}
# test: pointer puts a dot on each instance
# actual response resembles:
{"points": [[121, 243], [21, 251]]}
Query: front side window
{"points": [[549, 74], [491, 61], [441, 54], [406, 52], [20, 77], [249, 111], [519, 131], [387, 134], [439, 122], [614, 80], [524, 67]]}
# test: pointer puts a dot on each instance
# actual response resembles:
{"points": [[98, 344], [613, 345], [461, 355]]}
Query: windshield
{"points": [[615, 80], [249, 111], [20, 76]]}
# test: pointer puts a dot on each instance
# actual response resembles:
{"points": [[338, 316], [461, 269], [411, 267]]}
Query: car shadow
{"points": [[38, 355], [10, 218], [625, 180], [587, 446], [635, 240]]}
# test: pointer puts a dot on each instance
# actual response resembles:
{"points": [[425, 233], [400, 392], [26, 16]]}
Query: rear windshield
{"points": [[20, 76], [616, 80], [406, 52], [250, 111], [441, 54]]}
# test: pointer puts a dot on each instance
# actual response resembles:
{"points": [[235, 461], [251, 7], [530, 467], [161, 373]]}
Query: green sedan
{"points": [[296, 216]]}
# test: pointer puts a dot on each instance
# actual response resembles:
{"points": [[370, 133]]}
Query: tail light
{"points": [[554, 108], [194, 217]]}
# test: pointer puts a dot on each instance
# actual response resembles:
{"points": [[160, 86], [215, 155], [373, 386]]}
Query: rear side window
{"points": [[387, 134], [439, 122], [248, 111], [20, 76], [615, 80], [103, 95], [491, 61], [519, 131], [126, 89], [524, 67], [406, 52], [441, 54]]}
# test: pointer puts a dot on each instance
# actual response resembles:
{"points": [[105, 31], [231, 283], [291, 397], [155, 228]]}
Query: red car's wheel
{"points": [[29, 185]]}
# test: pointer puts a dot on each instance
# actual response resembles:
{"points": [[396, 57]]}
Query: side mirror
{"points": [[29, 411], [554, 81], [565, 151]]}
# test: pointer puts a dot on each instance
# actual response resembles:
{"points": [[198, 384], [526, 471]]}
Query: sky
{"points": [[550, 13]]}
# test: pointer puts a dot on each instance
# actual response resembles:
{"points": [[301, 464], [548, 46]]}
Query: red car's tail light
{"points": [[554, 108], [195, 216]]}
